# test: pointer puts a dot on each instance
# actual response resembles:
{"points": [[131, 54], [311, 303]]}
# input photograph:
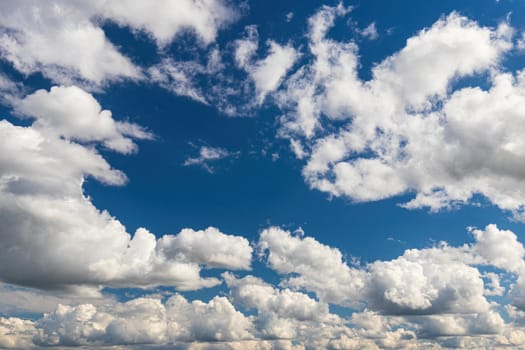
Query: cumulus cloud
{"points": [[408, 129], [138, 321], [165, 19], [66, 42], [16, 333], [53, 233], [433, 297], [253, 293], [317, 267], [61, 41], [435, 280], [432, 293], [74, 114]]}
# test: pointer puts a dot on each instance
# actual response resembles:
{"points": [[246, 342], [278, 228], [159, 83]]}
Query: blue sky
{"points": [[223, 174]]}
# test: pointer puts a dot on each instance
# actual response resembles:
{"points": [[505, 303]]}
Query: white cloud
{"points": [[60, 41], [8, 88], [210, 247], [56, 237], [24, 300], [179, 78], [500, 248], [174, 260], [167, 18], [74, 114], [246, 48], [207, 155], [266, 73], [435, 280], [253, 293], [16, 333], [216, 320], [370, 31], [405, 130], [427, 281], [432, 297], [317, 267], [143, 321], [432, 293], [65, 41], [459, 325]]}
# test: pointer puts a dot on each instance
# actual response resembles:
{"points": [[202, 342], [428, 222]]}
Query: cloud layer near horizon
{"points": [[426, 297]]}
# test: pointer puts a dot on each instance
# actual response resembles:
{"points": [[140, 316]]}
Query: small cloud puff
{"points": [[209, 155]]}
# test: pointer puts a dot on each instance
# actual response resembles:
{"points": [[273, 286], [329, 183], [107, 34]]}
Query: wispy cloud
{"points": [[208, 155]]}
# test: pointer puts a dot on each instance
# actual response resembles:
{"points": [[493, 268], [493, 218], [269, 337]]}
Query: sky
{"points": [[226, 174]]}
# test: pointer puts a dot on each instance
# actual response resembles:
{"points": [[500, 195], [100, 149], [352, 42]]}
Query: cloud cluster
{"points": [[435, 280], [42, 205], [138, 321], [435, 297], [65, 40], [419, 125], [439, 291]]}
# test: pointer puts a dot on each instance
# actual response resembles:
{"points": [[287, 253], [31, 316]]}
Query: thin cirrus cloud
{"points": [[209, 155], [408, 129], [217, 87]]}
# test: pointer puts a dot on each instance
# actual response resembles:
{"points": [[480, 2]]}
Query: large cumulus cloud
{"points": [[53, 236], [411, 128]]}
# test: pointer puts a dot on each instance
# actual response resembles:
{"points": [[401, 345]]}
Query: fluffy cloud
{"points": [[408, 129], [42, 205], [317, 267], [266, 73], [165, 19], [217, 320], [432, 293], [65, 41], [139, 321], [174, 260], [74, 114], [60, 41], [437, 280], [253, 293], [16, 333], [433, 297]]}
